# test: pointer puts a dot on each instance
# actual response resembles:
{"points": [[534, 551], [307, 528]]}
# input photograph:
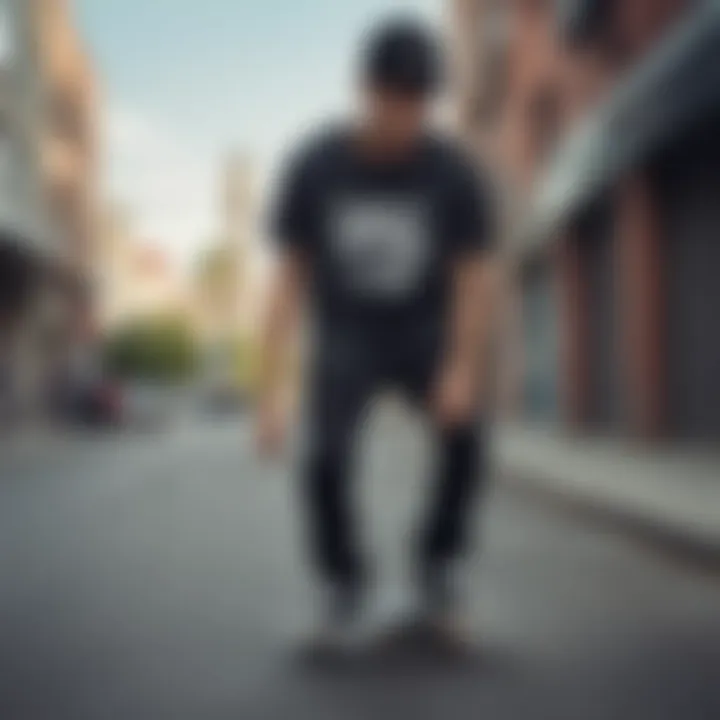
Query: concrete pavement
{"points": [[162, 577]]}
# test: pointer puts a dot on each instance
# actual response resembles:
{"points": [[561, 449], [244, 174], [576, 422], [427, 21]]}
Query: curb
{"points": [[680, 540]]}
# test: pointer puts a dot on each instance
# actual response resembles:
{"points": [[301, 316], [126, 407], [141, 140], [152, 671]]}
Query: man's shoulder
{"points": [[460, 168], [320, 148], [452, 155]]}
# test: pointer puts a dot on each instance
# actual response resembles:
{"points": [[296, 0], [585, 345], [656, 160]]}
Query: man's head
{"points": [[401, 74]]}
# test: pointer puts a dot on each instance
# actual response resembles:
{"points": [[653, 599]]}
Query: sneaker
{"points": [[443, 613], [439, 586], [340, 631]]}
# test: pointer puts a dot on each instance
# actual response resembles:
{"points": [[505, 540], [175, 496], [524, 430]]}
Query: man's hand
{"points": [[286, 297], [271, 427], [455, 395]]}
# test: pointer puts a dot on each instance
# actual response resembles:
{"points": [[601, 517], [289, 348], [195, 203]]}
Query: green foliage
{"points": [[216, 265], [245, 355], [234, 364], [160, 349], [216, 274]]}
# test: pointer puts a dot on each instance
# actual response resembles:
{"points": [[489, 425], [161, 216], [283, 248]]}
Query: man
{"points": [[384, 229]]}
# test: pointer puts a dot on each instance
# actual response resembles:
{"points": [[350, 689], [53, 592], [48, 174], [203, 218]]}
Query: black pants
{"points": [[350, 369]]}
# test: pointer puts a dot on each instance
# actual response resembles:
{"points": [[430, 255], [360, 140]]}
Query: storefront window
{"points": [[5, 170], [545, 122], [542, 361]]}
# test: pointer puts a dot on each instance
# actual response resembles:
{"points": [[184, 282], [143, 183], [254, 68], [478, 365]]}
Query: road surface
{"points": [[161, 576]]}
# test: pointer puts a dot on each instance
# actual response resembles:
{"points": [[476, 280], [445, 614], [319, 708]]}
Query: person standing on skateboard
{"points": [[385, 231]]}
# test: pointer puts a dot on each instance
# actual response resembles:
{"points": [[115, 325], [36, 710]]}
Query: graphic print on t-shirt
{"points": [[380, 245]]}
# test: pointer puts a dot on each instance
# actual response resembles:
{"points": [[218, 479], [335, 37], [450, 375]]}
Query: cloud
{"points": [[127, 129], [166, 184]]}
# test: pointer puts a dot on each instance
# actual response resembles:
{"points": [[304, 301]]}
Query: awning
{"points": [[580, 20], [676, 85]]}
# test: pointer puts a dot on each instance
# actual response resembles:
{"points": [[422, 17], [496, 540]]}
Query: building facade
{"points": [[136, 278], [69, 153], [238, 212], [599, 123], [47, 183]]}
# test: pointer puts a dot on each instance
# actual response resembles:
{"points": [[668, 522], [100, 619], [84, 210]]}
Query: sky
{"points": [[184, 82]]}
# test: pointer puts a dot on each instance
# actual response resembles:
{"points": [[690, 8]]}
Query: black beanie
{"points": [[404, 56]]}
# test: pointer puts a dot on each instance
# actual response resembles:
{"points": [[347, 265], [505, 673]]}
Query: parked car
{"points": [[148, 406], [226, 399], [98, 402]]}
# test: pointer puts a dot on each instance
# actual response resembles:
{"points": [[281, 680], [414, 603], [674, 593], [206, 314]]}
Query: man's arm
{"points": [[469, 330], [471, 309], [279, 342], [292, 227], [470, 234]]}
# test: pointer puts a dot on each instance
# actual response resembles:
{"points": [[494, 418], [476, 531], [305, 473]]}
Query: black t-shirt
{"points": [[381, 237]]}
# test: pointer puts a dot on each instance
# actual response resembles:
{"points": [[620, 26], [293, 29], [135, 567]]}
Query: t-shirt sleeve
{"points": [[292, 221], [471, 212]]}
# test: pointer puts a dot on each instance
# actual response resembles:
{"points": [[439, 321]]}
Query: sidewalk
{"points": [[670, 492]]}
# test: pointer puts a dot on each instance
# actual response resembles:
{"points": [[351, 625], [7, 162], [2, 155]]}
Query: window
{"points": [[545, 121], [582, 21], [495, 29], [6, 169], [493, 83], [493, 60], [7, 39], [67, 119]]}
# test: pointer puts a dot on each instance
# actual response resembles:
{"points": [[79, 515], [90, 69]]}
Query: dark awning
{"points": [[676, 85], [18, 271], [581, 20]]}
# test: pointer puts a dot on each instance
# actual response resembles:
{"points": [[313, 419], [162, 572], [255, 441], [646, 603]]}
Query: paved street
{"points": [[161, 577]]}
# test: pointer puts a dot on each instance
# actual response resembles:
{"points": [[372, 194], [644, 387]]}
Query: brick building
{"points": [[598, 117]]}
